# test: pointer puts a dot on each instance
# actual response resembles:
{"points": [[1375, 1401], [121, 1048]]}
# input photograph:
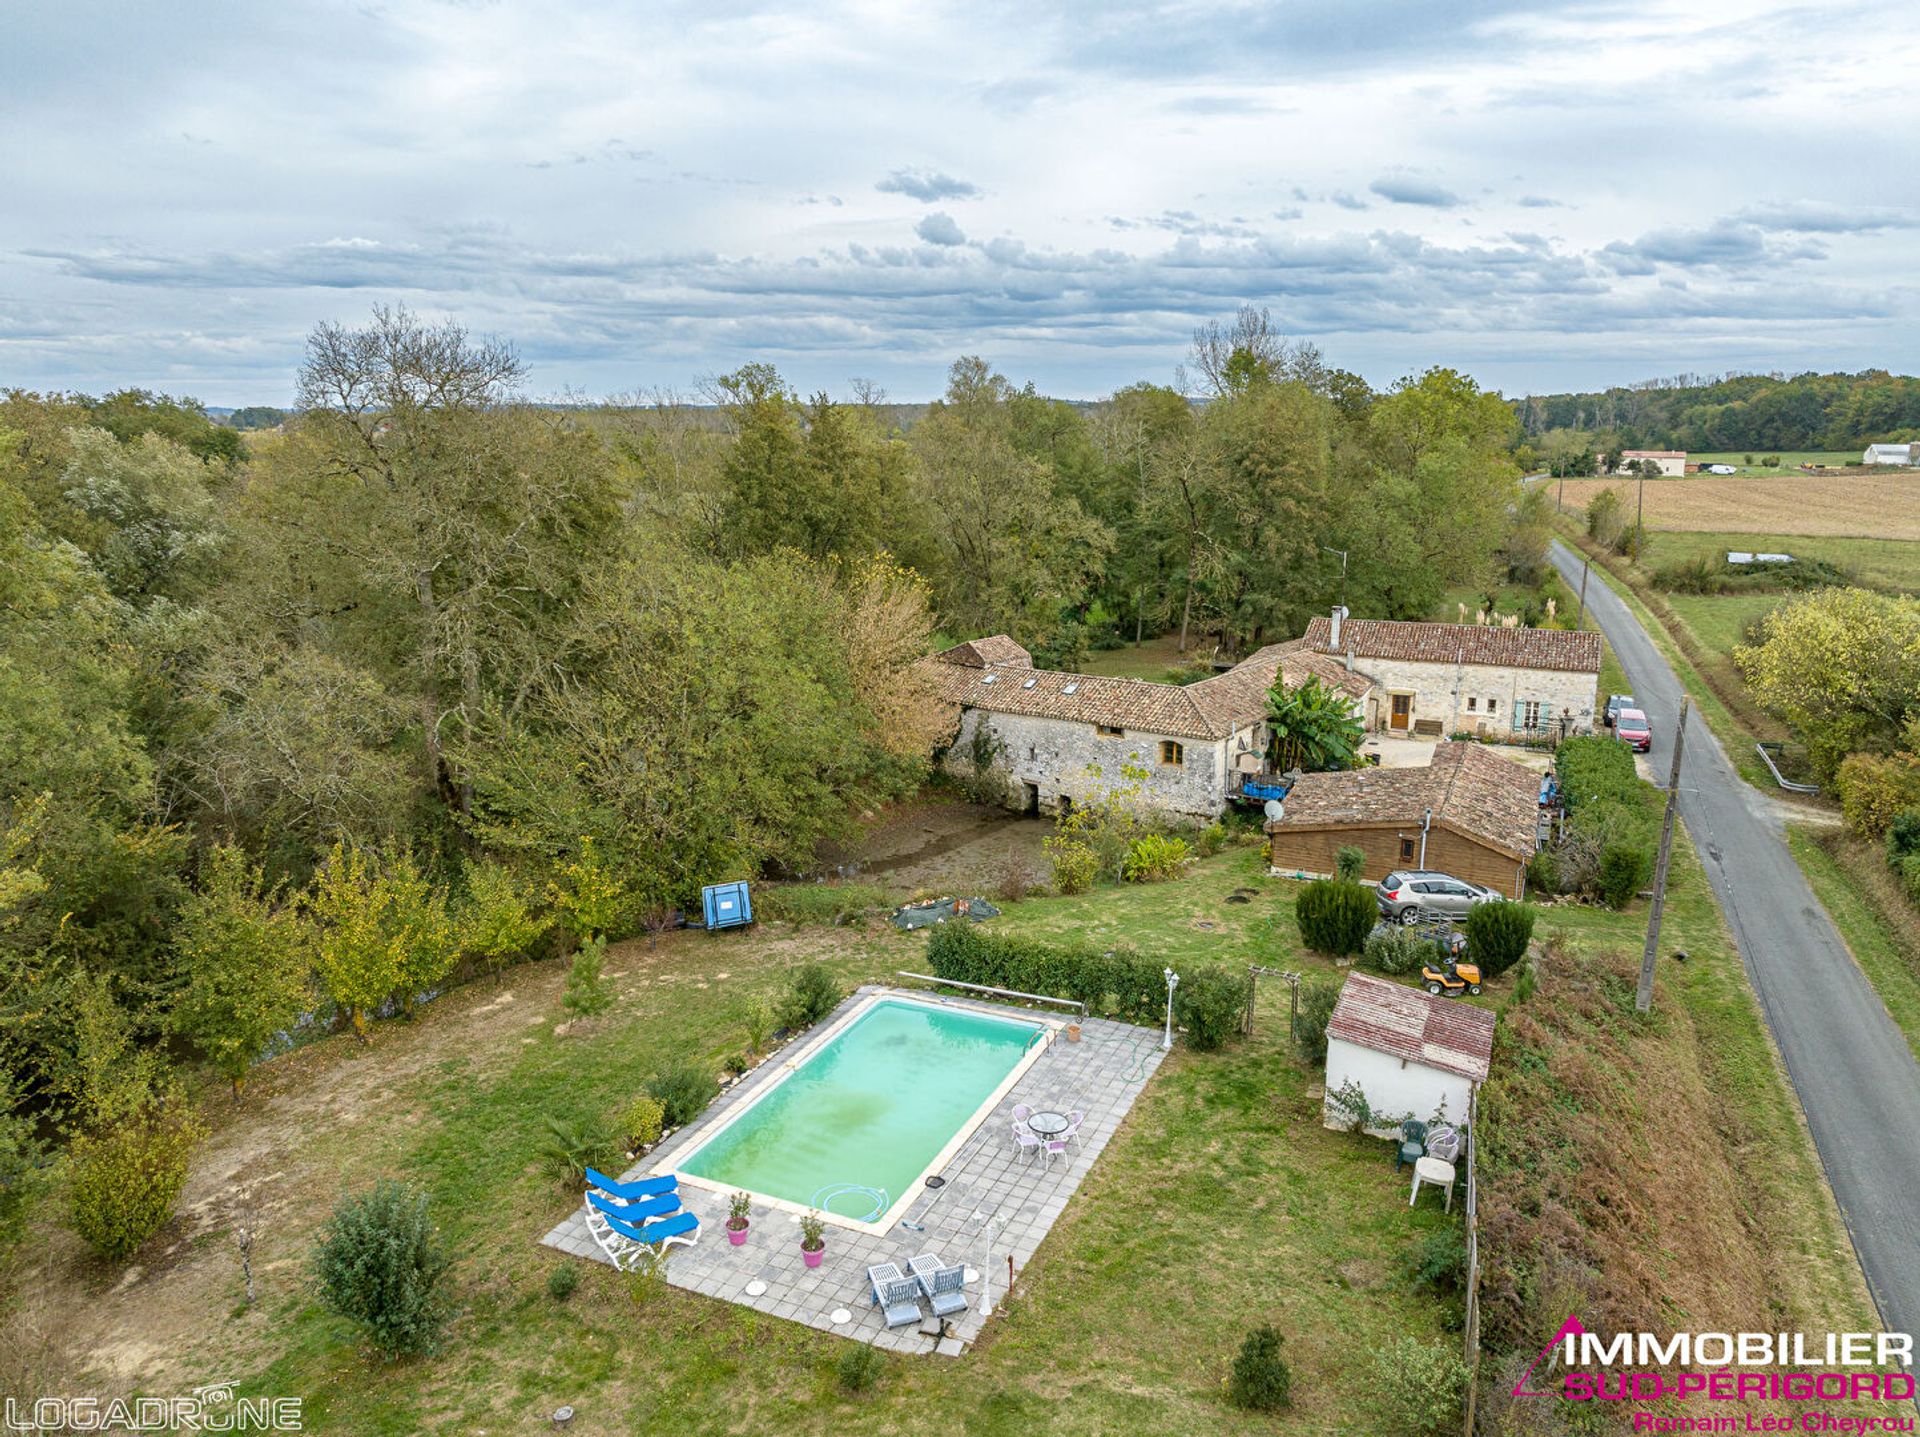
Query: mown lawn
{"points": [[1223, 1203]]}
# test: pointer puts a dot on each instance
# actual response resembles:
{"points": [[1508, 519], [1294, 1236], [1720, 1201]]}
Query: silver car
{"points": [[1413, 894]]}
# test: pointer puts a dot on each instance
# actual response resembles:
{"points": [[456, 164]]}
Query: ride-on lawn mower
{"points": [[1453, 980], [1449, 975]]}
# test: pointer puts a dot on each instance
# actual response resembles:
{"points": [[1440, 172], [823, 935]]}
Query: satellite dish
{"points": [[1275, 811]]}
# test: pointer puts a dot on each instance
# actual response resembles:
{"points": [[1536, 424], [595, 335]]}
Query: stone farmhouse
{"points": [[1062, 738], [1440, 679]]}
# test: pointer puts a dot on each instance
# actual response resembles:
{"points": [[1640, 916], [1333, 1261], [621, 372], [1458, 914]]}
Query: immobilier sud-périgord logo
{"points": [[1730, 1367]]}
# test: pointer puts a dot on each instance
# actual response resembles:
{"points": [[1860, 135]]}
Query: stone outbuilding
{"points": [[1412, 1054], [1470, 813], [1441, 679], [1057, 739]]}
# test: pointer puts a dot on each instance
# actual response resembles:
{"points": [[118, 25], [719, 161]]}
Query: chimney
{"points": [[1339, 613]]}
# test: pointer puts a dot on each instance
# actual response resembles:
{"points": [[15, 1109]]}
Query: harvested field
{"points": [[1872, 506]]}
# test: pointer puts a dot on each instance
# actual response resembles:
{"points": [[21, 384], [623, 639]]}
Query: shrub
{"points": [[859, 1365], [1543, 872], [1117, 981], [22, 1177], [1210, 839], [1874, 791], [757, 1021], [1498, 934], [127, 1176], [1075, 864], [642, 1121], [588, 993], [1335, 916], [572, 1145], [1015, 883], [563, 1281], [1348, 860], [1153, 857], [1209, 1004], [1592, 767], [378, 1263], [1909, 872], [684, 1091], [1317, 997], [811, 994], [1440, 1261], [1260, 1380], [1393, 949], [1624, 868], [1903, 835], [1419, 1387]]}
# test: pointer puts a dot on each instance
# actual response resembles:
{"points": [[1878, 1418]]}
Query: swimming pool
{"points": [[882, 1099]]}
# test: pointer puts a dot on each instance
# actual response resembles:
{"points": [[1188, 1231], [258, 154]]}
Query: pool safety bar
{"points": [[825, 1196], [1073, 1003]]}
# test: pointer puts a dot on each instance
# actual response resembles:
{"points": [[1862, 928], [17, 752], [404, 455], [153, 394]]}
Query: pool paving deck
{"points": [[995, 1202]]}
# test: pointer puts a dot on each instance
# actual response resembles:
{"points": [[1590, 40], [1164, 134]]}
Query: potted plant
{"points": [[1073, 1032], [813, 1239], [739, 1207]]}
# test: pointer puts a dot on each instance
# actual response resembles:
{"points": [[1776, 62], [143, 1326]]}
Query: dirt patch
{"points": [[942, 847]]}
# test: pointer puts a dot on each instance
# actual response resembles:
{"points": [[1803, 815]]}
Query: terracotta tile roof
{"points": [[1477, 794], [1488, 644], [1407, 1023], [1214, 708], [983, 653]]}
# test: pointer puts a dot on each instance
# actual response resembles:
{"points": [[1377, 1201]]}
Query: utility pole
{"points": [[1560, 498], [1586, 563], [1640, 507], [1643, 1000]]}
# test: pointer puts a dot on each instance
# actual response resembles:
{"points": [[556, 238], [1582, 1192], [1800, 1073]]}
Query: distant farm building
{"points": [[1891, 454], [1670, 461]]}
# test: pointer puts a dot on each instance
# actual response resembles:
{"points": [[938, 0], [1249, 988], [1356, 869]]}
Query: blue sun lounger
{"points": [[635, 1212], [633, 1191], [626, 1242]]}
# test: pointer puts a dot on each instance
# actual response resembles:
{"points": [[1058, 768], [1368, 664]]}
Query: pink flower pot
{"points": [[737, 1236], [813, 1258]]}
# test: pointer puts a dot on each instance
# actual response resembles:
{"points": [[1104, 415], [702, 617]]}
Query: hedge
{"points": [[1591, 767], [1118, 982]]}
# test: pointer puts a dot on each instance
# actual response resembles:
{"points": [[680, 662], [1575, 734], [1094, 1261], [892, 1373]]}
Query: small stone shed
{"points": [[1470, 813], [1412, 1054]]}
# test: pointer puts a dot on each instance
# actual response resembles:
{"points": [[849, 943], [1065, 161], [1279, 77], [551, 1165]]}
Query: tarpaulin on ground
{"points": [[939, 910]]}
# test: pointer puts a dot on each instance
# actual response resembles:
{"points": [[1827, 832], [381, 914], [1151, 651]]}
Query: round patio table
{"points": [[1047, 1124]]}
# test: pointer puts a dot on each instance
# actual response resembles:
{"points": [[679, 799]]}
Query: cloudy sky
{"points": [[1548, 195]]}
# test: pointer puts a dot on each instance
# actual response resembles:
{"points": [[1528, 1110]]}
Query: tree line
{"points": [[373, 688], [1756, 412]]}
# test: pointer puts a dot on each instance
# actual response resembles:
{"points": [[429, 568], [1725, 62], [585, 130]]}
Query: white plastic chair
{"points": [[1056, 1147], [1025, 1139], [1074, 1120]]}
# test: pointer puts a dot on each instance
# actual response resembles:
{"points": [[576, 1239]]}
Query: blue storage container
{"points": [[726, 905]]}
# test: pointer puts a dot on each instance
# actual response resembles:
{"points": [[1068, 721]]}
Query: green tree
{"points": [[379, 1263], [1312, 727], [356, 948], [497, 923], [245, 958], [425, 942], [1842, 666], [590, 897]]}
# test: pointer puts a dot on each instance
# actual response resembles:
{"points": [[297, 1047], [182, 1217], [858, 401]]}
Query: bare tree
{"points": [[1229, 357]]}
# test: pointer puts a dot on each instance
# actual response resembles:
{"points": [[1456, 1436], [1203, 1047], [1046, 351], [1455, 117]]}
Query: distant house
{"points": [[1062, 738], [1470, 813], [1907, 454], [1439, 679], [1672, 462], [1412, 1054]]}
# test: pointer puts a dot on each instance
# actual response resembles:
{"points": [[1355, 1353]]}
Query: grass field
{"points": [[1855, 888], [1150, 660], [1868, 506], [1790, 459], [1222, 1203], [1892, 565]]}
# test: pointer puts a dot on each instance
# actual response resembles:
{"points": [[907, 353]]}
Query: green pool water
{"points": [[872, 1108]]}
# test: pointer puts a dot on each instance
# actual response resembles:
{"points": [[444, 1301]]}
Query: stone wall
{"points": [[1443, 692], [1047, 759]]}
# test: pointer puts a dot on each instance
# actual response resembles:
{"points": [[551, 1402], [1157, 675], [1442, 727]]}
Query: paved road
{"points": [[1850, 1064]]}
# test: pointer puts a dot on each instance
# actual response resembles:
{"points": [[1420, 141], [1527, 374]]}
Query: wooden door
{"points": [[1402, 712]]}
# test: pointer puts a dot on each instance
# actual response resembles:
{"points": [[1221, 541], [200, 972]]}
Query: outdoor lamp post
{"points": [[1173, 981]]}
